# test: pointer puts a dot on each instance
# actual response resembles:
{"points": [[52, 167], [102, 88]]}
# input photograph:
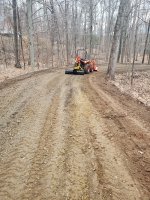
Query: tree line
{"points": [[48, 32]]}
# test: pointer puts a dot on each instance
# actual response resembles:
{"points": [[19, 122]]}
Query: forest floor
{"points": [[12, 72], [140, 89], [72, 137]]}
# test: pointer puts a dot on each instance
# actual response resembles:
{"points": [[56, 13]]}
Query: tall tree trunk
{"points": [[123, 46], [124, 30], [66, 32], [91, 27], [134, 54], [53, 31], [16, 42], [120, 47], [108, 31], [75, 28], [149, 59], [30, 28], [100, 48], [146, 42], [21, 40], [4, 50], [85, 30], [115, 42]]}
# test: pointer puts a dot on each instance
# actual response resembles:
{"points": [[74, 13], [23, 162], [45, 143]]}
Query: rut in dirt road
{"points": [[72, 137]]}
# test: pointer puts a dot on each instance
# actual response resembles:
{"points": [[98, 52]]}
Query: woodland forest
{"points": [[48, 32]]}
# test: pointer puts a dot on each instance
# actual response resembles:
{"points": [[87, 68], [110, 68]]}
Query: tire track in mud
{"points": [[20, 94], [48, 166], [17, 157], [76, 177], [73, 142], [89, 174], [12, 117], [128, 133], [60, 177], [99, 169], [20, 91]]}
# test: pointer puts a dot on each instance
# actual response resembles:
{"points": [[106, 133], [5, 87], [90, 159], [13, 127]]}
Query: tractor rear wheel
{"points": [[87, 69]]}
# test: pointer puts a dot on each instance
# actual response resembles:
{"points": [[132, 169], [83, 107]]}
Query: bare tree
{"points": [[146, 42], [16, 34], [134, 54], [30, 29], [51, 31], [66, 31], [115, 42], [91, 26]]}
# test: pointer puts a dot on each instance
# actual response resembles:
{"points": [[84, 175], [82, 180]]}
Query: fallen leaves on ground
{"points": [[140, 89], [11, 72]]}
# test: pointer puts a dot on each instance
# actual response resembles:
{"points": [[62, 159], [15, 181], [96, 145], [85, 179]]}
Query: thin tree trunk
{"points": [[85, 30], [75, 28], [31, 38], [21, 41], [52, 31], [120, 47], [134, 55], [38, 51], [124, 29], [146, 42], [3, 46], [100, 48], [66, 33], [149, 59], [16, 42], [135, 42], [123, 46], [91, 27]]}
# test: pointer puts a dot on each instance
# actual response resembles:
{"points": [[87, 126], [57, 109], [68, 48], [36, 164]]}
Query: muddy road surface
{"points": [[65, 137]]}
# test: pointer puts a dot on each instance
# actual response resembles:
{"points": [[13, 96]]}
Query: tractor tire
{"points": [[78, 72], [87, 69], [68, 71]]}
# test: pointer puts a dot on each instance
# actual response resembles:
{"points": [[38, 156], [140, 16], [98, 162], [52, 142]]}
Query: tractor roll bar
{"points": [[77, 53]]}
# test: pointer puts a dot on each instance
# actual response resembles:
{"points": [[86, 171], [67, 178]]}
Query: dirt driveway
{"points": [[65, 137]]}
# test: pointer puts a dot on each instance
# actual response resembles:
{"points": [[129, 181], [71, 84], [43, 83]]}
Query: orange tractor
{"points": [[82, 65]]}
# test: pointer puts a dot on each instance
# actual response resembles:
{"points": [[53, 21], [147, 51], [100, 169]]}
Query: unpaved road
{"points": [[65, 137]]}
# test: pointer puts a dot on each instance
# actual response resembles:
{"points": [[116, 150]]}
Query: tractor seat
{"points": [[82, 60]]}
